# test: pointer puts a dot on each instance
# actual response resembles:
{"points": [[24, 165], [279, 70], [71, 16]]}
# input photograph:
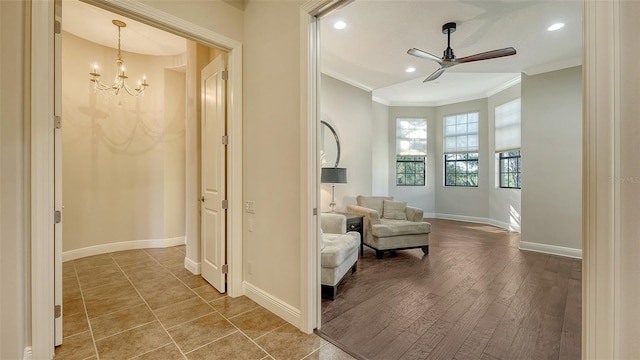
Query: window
{"points": [[507, 118], [509, 169], [461, 169], [411, 152], [410, 170], [461, 150]]}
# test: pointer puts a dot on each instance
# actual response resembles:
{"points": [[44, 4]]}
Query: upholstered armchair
{"points": [[391, 225], [339, 252]]}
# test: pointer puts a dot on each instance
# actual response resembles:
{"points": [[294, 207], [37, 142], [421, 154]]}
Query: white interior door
{"points": [[213, 213], [57, 177]]}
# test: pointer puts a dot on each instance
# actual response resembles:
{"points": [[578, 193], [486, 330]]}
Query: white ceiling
{"points": [[371, 52], [94, 24]]}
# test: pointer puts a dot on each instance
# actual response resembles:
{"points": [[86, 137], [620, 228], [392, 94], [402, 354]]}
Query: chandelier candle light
{"points": [[120, 81]]}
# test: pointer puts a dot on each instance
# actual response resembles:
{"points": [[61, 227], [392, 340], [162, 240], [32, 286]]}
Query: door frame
{"points": [[601, 239], [310, 13], [42, 157]]}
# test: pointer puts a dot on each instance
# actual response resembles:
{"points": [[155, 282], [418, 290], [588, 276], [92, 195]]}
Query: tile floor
{"points": [[143, 304]]}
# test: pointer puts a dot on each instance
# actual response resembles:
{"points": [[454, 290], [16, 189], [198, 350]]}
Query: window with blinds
{"points": [[411, 151], [461, 133], [508, 134], [461, 149], [508, 126]]}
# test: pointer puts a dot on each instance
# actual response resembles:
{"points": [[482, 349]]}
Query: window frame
{"points": [[408, 155], [462, 153], [518, 173], [456, 159], [407, 160]]}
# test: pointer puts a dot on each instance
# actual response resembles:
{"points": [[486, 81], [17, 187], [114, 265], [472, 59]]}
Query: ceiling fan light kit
{"points": [[448, 57]]}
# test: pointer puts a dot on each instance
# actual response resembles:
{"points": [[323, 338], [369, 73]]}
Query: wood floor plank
{"points": [[422, 348], [548, 342], [474, 344], [463, 327], [571, 341], [475, 296], [523, 345]]}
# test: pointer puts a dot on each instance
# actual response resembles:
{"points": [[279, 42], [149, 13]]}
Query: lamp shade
{"points": [[333, 175]]}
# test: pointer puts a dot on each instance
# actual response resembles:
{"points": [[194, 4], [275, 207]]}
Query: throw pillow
{"points": [[373, 202], [394, 210]]}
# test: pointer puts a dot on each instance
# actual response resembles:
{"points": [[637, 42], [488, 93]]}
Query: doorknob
{"points": [[202, 199]]}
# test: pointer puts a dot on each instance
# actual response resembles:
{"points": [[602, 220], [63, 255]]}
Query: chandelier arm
{"points": [[119, 82]]}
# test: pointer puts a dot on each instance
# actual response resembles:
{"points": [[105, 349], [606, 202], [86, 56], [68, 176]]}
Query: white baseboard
{"points": [[120, 246], [28, 354], [194, 267], [551, 249], [479, 220], [273, 304], [504, 225], [429, 215]]}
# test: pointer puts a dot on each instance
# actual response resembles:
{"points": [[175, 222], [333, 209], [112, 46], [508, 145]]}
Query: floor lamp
{"points": [[333, 176]]}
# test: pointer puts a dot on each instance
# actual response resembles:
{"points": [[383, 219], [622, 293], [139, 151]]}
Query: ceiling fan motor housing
{"points": [[448, 28]]}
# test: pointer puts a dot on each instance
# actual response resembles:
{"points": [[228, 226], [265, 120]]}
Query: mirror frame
{"points": [[335, 135]]}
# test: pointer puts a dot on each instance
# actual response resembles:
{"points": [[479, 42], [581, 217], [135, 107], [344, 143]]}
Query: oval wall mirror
{"points": [[329, 146]]}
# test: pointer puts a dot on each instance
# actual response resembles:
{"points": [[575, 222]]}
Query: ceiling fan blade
{"points": [[423, 54], [436, 74], [488, 55]]}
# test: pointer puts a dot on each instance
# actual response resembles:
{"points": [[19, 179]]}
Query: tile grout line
{"points": [[156, 317], [150, 309], [211, 342], [197, 295], [86, 313]]}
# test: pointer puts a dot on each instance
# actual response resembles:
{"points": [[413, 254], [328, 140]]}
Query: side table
{"points": [[355, 223]]}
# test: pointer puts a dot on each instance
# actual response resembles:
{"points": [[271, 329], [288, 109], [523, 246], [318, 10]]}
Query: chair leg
{"points": [[379, 254], [425, 250]]}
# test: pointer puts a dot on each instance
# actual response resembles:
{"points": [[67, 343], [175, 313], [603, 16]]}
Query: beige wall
{"points": [[629, 181], [271, 137], [380, 149], [223, 17], [418, 196], [504, 204], [123, 157], [174, 153], [552, 158], [465, 201], [14, 250], [349, 111]]}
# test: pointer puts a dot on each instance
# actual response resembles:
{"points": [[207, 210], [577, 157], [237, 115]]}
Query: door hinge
{"points": [[225, 204], [57, 217], [225, 139], [57, 311], [225, 268], [315, 211], [225, 75], [57, 27], [57, 122]]}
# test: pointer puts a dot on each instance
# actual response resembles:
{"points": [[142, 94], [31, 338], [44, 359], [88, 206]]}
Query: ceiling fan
{"points": [[449, 59]]}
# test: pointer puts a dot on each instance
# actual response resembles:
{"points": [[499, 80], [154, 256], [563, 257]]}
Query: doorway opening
{"points": [[124, 170]]}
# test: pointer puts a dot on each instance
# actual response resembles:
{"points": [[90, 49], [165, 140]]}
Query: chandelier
{"points": [[120, 81]]}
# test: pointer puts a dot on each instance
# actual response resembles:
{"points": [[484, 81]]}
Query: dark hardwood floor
{"points": [[475, 296]]}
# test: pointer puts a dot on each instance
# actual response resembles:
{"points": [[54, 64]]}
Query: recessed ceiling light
{"points": [[556, 26], [410, 69], [339, 25]]}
